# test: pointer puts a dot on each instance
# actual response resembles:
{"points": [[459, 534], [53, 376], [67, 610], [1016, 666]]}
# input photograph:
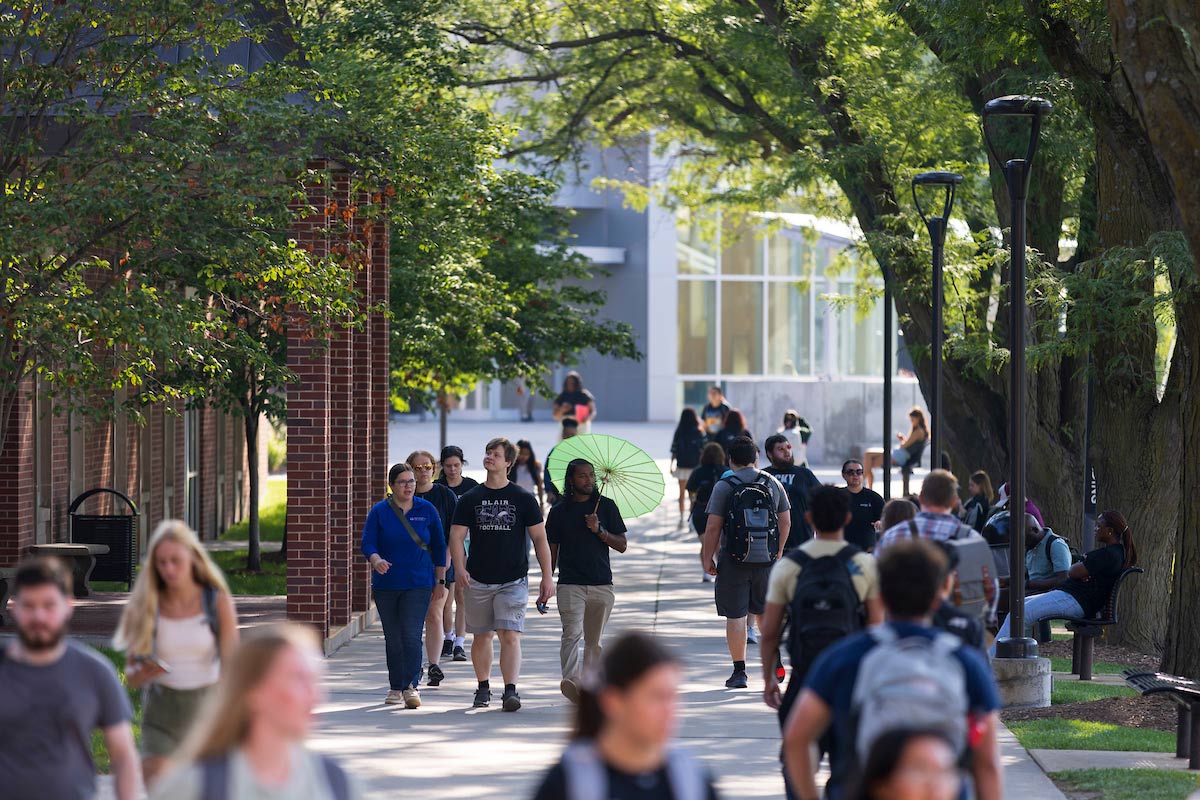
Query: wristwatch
{"points": [[445, 582]]}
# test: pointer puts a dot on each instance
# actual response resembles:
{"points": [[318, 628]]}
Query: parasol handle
{"points": [[599, 494]]}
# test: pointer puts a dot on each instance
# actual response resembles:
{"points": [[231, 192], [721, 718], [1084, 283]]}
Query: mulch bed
{"points": [[1134, 712]]}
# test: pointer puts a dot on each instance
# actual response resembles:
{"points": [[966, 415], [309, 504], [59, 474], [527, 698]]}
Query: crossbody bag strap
{"points": [[417, 540]]}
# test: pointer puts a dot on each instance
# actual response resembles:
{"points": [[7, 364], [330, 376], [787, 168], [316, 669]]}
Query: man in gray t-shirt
{"points": [[741, 587], [56, 692]]}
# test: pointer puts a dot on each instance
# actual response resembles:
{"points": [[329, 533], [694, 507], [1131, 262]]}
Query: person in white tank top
{"points": [[526, 471], [178, 626]]}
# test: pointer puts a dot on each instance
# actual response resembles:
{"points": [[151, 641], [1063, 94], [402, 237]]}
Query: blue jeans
{"points": [[1038, 607], [402, 613]]}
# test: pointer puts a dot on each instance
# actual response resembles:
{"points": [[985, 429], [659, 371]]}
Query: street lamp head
{"points": [[946, 181], [1015, 107]]}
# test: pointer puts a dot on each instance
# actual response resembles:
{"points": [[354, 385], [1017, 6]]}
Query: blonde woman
{"points": [[176, 630], [248, 741]]}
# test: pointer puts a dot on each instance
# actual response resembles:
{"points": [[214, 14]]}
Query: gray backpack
{"points": [[976, 588], [587, 779], [915, 682]]}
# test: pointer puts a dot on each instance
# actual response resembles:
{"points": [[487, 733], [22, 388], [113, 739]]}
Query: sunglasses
{"points": [[852, 472], [422, 466]]}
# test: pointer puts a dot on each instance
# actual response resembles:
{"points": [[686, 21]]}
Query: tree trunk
{"points": [[1181, 652], [254, 554], [443, 403]]}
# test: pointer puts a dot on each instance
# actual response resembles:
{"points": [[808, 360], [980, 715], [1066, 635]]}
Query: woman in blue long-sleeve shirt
{"points": [[404, 577]]}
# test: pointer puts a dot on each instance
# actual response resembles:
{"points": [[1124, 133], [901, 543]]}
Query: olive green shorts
{"points": [[166, 716]]}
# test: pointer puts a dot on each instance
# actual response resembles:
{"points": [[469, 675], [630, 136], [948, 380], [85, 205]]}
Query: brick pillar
{"points": [[341, 418], [363, 348], [308, 456], [17, 521]]}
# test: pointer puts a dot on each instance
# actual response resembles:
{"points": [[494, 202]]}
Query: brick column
{"points": [[17, 522], [341, 417], [364, 424]]}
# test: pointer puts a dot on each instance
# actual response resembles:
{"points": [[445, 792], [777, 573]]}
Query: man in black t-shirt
{"points": [[866, 507], [712, 416], [497, 514], [581, 530], [797, 482]]}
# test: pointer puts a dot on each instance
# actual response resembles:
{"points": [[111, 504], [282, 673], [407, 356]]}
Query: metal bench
{"points": [[80, 557], [1086, 630], [1186, 694]]}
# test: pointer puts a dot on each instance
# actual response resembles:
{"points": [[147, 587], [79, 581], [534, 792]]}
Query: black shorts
{"points": [[741, 589]]}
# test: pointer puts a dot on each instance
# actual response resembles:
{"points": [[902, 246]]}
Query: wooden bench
{"points": [[1186, 694], [80, 557], [1086, 630], [906, 471]]}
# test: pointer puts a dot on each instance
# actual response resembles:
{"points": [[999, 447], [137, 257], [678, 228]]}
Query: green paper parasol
{"points": [[625, 473]]}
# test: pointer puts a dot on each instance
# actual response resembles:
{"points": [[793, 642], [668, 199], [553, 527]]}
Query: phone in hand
{"points": [[543, 606], [156, 661]]}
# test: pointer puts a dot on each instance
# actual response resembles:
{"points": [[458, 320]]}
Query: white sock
{"points": [[449, 636], [459, 641]]}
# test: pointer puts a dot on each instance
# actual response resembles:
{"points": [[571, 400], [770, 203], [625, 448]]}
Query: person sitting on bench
{"points": [[1089, 583], [1047, 562], [913, 443]]}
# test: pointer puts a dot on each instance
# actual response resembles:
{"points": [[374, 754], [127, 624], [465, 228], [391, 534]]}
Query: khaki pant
{"points": [[584, 611]]}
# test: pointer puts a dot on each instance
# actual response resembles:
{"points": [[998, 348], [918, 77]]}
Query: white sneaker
{"points": [[751, 635], [394, 698], [412, 698]]}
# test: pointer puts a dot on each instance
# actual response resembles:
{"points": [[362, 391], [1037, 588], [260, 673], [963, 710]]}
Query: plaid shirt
{"points": [[940, 527]]}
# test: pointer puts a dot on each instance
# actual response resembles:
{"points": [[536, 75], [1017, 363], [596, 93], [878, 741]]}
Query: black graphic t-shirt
{"points": [[797, 482], [496, 521], [582, 557]]}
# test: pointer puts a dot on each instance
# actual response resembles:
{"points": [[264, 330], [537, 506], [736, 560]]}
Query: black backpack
{"points": [[700, 505], [687, 448], [1076, 556], [825, 607], [751, 522]]}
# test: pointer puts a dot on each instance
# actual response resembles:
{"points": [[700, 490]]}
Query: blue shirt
{"points": [[1039, 566], [833, 674], [385, 534]]}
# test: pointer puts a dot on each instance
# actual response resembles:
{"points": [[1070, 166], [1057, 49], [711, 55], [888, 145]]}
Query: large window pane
{"points": [[791, 255], [741, 328], [695, 244], [741, 252], [860, 338], [697, 327], [788, 330]]}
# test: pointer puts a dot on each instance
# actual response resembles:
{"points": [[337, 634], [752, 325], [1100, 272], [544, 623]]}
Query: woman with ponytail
{"points": [[620, 747], [1089, 583]]}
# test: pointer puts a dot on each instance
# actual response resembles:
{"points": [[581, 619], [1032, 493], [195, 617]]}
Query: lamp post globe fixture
{"points": [[946, 183], [1013, 111]]}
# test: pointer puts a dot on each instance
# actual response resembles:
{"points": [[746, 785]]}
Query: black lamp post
{"points": [[1016, 175], [947, 182]]}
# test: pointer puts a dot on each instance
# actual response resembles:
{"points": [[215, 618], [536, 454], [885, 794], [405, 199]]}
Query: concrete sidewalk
{"points": [[448, 750]]}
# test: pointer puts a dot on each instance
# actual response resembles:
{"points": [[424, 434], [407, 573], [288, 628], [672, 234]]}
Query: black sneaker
{"points": [[483, 698], [459, 653], [436, 676], [447, 647], [510, 701], [737, 680]]}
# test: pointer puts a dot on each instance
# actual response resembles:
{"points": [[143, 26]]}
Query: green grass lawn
{"points": [[1083, 691], [1098, 667], [272, 580], [1074, 734], [1129, 784], [272, 509], [99, 751]]}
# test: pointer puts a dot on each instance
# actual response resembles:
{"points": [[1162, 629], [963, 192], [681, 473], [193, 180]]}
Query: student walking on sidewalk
{"points": [[498, 515], [249, 741], [56, 694], [621, 745], [177, 630], [748, 523], [581, 530], [437, 646], [403, 541]]}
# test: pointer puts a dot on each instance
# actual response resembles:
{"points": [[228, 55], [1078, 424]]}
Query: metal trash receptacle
{"points": [[118, 531]]}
